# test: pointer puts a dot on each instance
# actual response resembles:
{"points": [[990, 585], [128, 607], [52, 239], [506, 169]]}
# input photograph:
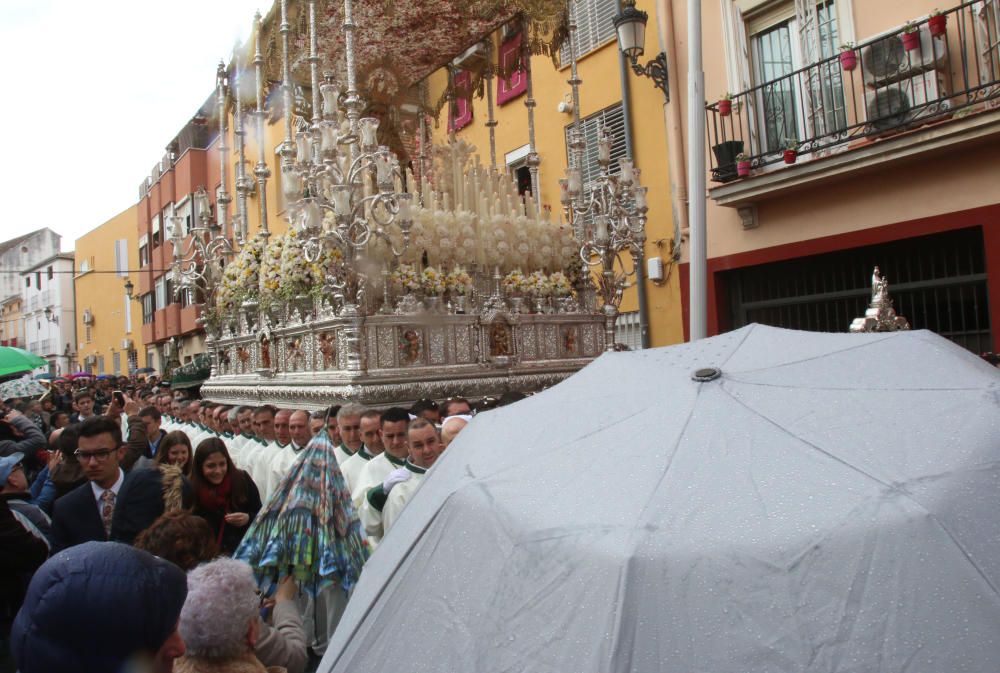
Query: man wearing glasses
{"points": [[85, 513]]}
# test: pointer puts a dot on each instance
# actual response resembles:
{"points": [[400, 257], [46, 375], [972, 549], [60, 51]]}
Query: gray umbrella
{"points": [[829, 503]]}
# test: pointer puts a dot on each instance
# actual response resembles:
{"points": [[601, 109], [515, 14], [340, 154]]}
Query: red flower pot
{"points": [[742, 168], [725, 107], [849, 59], [938, 24], [790, 156], [911, 41]]}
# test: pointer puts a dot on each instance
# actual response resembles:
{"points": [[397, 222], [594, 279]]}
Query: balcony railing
{"points": [[930, 70]]}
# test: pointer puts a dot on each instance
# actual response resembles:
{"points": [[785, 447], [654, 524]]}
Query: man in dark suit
{"points": [[85, 513]]}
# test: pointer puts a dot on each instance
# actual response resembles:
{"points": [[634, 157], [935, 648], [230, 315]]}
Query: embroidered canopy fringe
{"points": [[409, 39], [308, 529]]}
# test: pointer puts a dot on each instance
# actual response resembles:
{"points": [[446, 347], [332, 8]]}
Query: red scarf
{"points": [[216, 497]]}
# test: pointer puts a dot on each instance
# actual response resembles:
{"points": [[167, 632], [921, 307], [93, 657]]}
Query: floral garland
{"points": [[270, 270], [241, 277]]}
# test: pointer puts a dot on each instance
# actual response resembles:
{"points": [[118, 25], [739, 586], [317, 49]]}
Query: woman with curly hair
{"points": [[175, 449], [225, 496], [181, 538]]}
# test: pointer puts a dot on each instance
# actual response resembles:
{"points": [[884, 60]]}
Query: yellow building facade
{"points": [[610, 93], [11, 322], [108, 321]]}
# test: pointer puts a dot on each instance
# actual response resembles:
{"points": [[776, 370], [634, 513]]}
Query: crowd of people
{"points": [[125, 485]]}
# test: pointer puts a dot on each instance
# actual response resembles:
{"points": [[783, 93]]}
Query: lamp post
{"points": [[630, 26], [50, 317]]}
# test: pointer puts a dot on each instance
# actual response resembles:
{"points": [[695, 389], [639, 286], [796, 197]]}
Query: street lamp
{"points": [[630, 25], [49, 316], [129, 287]]}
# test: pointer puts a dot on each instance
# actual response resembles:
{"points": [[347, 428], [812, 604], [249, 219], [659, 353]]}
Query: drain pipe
{"points": [[675, 135], [640, 261]]}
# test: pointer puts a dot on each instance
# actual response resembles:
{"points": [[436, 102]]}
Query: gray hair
{"points": [[350, 409], [221, 604], [232, 414]]}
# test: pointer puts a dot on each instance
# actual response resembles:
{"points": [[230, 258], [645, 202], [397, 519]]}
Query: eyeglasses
{"points": [[99, 456]]}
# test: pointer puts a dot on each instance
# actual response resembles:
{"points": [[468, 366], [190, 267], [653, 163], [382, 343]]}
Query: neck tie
{"points": [[107, 509]]}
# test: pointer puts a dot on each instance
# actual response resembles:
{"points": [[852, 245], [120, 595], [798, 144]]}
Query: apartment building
{"points": [[844, 135], [49, 309]]}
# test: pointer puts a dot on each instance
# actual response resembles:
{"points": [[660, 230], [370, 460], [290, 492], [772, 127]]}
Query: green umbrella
{"points": [[14, 360]]}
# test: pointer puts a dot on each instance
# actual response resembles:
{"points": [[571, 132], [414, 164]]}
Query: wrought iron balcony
{"points": [[941, 67]]}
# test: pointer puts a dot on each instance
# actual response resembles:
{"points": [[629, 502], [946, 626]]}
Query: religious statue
{"points": [[328, 348], [880, 315], [880, 288], [569, 341], [409, 346], [296, 355], [265, 351], [499, 340], [243, 355]]}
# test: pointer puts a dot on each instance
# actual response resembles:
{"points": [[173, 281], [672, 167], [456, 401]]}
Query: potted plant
{"points": [[742, 165], [726, 104], [938, 23], [791, 152], [848, 57], [910, 36]]}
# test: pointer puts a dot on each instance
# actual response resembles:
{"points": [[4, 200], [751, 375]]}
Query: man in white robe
{"points": [[391, 497], [371, 446], [349, 426]]}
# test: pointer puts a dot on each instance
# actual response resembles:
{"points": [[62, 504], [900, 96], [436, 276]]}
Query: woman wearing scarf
{"points": [[224, 496]]}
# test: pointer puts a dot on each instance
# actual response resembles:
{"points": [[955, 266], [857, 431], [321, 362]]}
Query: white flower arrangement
{"points": [[406, 278], [561, 287], [515, 282], [537, 284], [459, 281], [432, 281]]}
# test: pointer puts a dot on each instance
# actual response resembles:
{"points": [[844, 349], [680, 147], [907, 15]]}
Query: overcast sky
{"points": [[94, 91]]}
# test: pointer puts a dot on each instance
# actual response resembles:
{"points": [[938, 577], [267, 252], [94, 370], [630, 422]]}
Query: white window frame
{"points": [[594, 28]]}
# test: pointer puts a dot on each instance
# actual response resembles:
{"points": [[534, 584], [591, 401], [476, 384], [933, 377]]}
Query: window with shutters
{"points": [[116, 362], [156, 230], [614, 119], [148, 307], [594, 27], [628, 330], [87, 333], [121, 257], [100, 364]]}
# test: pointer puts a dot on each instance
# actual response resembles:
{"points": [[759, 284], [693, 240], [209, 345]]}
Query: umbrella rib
{"points": [[852, 347], [806, 441], [736, 379], [896, 488]]}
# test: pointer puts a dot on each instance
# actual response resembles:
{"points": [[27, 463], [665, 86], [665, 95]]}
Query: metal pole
{"points": [[640, 269], [260, 171], [697, 249]]}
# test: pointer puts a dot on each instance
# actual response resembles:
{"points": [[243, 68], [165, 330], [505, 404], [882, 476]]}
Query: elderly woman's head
{"points": [[221, 614]]}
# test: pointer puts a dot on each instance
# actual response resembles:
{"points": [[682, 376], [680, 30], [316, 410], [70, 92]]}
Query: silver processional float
{"points": [[399, 279]]}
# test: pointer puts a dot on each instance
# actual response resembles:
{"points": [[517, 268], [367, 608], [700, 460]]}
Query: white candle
{"points": [[601, 222]]}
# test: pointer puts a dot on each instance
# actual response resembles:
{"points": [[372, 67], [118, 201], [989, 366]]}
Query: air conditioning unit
{"points": [[88, 317], [127, 344], [473, 58], [906, 101], [885, 60], [904, 86]]}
